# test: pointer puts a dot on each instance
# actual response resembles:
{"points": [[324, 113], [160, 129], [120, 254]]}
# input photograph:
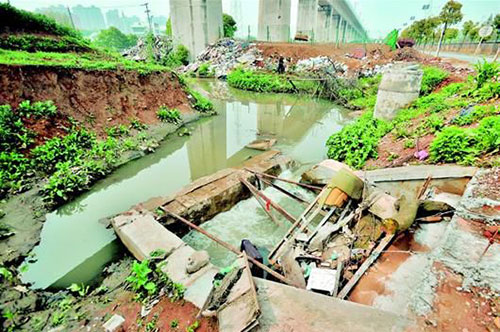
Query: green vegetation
{"points": [[178, 57], [205, 71], [168, 115], [147, 279], [33, 43], [80, 289], [433, 76], [115, 39], [70, 163], [464, 146], [487, 72], [193, 327], [16, 20], [85, 61], [201, 103], [266, 82], [229, 25], [357, 142]]}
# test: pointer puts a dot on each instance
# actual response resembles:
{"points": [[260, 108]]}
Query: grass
{"points": [[33, 43], [87, 61]]}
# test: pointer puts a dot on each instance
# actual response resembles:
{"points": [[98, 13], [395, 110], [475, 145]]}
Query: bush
{"points": [[357, 142], [201, 103], [205, 71], [486, 72], [168, 115], [178, 57], [16, 20], [453, 145], [432, 78]]}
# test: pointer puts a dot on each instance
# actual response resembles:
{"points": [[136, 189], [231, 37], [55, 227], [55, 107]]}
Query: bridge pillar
{"points": [[274, 20], [324, 26], [196, 23], [307, 18]]}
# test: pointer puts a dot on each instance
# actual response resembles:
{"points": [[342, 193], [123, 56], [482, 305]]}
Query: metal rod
{"points": [[230, 248], [284, 191], [278, 208], [308, 186], [258, 199]]}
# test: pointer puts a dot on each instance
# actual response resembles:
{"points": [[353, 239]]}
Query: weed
{"points": [[453, 144], [486, 72], [117, 131], [79, 289], [168, 115], [432, 77], [193, 327], [201, 103], [139, 279], [137, 125], [409, 144], [205, 71], [6, 274], [392, 156], [474, 114], [357, 142], [174, 323]]}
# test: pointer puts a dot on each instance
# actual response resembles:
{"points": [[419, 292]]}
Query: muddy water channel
{"points": [[75, 242]]}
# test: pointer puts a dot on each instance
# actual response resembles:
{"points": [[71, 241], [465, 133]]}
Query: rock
{"points": [[197, 260], [114, 323], [321, 174], [321, 238]]}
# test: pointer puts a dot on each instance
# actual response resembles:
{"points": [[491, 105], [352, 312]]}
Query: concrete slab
{"points": [[420, 172], [142, 234], [286, 308]]}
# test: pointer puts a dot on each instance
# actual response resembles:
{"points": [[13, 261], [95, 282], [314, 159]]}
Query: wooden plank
{"points": [[276, 206], [366, 264], [304, 185], [420, 172]]}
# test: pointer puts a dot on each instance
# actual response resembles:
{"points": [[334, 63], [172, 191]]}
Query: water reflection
{"points": [[73, 235]]}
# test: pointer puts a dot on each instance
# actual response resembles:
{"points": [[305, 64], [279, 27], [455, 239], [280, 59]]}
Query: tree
{"points": [[115, 39], [450, 14], [229, 25], [496, 22], [421, 30], [450, 34], [467, 29], [168, 31]]}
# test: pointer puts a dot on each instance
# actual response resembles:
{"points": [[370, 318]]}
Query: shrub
{"points": [[474, 114], [201, 103], [205, 71], [453, 145], [357, 142], [432, 78], [37, 109], [168, 115], [486, 72], [488, 134], [178, 57]]}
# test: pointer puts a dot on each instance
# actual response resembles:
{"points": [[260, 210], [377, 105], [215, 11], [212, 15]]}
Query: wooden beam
{"points": [[230, 247], [276, 206], [304, 185], [366, 264], [283, 190]]}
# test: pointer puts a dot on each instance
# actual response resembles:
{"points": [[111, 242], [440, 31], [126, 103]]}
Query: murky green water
{"points": [[75, 245]]}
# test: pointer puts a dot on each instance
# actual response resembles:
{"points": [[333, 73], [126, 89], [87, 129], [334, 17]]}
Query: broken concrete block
{"points": [[321, 174], [400, 85], [114, 323], [197, 260], [142, 234], [383, 205], [321, 238], [323, 280]]}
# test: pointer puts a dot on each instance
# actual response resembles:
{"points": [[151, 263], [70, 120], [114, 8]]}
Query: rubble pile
{"points": [[226, 54], [161, 48], [319, 66]]}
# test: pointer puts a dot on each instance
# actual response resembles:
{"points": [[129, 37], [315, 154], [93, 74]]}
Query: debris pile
{"points": [[160, 47], [226, 54], [319, 66]]}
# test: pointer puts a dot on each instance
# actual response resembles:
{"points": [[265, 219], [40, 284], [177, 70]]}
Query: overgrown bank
{"points": [[457, 124]]}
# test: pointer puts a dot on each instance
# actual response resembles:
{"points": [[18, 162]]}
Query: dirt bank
{"points": [[96, 98]]}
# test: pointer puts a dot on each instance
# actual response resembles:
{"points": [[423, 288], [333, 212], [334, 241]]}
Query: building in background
{"points": [[113, 19], [58, 13], [88, 18]]}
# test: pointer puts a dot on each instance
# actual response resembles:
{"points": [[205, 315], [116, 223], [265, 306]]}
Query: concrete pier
{"points": [[274, 20], [307, 18], [196, 23]]}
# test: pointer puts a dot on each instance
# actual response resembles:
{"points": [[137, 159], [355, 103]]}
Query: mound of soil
{"points": [[97, 98]]}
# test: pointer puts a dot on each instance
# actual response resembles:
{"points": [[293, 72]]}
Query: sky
{"points": [[378, 16]]}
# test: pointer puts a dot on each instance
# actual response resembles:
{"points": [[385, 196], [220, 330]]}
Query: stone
{"points": [[321, 174], [197, 260], [114, 323], [263, 144]]}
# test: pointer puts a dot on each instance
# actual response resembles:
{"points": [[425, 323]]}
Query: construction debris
{"points": [[225, 55], [262, 144], [159, 48]]}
